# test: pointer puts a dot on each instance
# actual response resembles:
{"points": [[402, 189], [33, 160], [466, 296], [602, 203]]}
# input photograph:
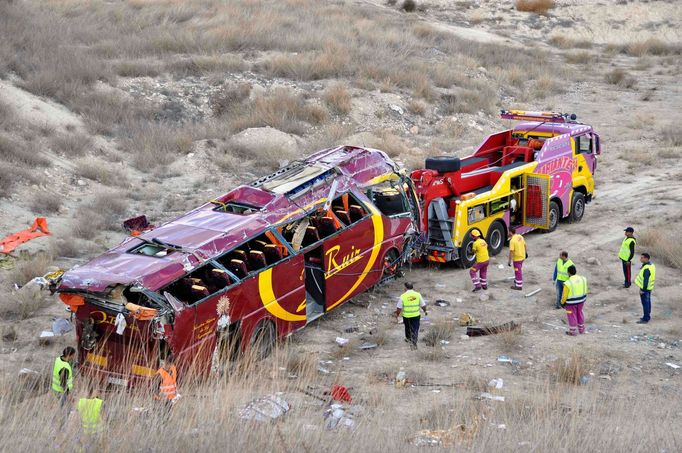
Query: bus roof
{"points": [[210, 230]]}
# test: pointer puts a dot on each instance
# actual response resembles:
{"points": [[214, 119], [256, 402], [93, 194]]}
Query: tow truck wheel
{"points": [[577, 207], [467, 257], [263, 338], [554, 216], [442, 164], [495, 238]]}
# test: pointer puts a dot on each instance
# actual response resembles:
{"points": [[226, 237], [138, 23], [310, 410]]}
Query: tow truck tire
{"points": [[263, 338], [496, 238], [442, 164], [577, 207], [554, 216], [465, 261]]}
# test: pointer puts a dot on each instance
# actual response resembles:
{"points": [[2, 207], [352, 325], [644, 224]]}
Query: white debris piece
{"points": [[60, 326], [46, 334], [490, 396], [264, 409], [341, 341], [672, 365], [496, 383]]}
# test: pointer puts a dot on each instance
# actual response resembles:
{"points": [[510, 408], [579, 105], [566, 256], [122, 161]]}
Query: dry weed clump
{"points": [[651, 46], [158, 144], [510, 340], [332, 62], [565, 42], [28, 267], [534, 6], [281, 110], [663, 245], [105, 211], [72, 144], [439, 332], [45, 202], [338, 99], [570, 369], [621, 78], [229, 98], [101, 171], [672, 135], [581, 57]]}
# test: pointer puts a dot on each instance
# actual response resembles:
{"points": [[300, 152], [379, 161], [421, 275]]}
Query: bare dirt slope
{"points": [[597, 63]]}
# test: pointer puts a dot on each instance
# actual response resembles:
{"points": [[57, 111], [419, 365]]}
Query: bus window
{"points": [[348, 209], [475, 214], [254, 255], [198, 284], [390, 200]]}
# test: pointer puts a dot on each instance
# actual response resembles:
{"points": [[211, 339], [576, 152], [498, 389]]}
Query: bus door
{"points": [[536, 212]]}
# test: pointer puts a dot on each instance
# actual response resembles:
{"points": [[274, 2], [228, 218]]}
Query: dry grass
{"points": [[338, 99], [439, 331], [620, 78], [282, 109], [580, 57], [651, 46], [390, 143], [663, 244], [45, 202], [534, 6], [672, 135], [416, 107], [72, 144], [22, 304], [565, 42], [157, 144], [29, 267], [101, 171], [570, 369], [510, 341], [229, 98], [106, 210], [332, 62]]}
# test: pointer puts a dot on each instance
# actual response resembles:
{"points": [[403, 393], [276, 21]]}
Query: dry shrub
{"points": [[663, 245], [564, 42], [138, 68], [333, 134], [467, 101], [45, 202], [338, 98], [390, 143], [439, 331], [672, 135], [409, 6], [229, 98], [330, 63], [416, 107], [581, 57], [510, 340], [19, 153], [102, 171], [105, 211], [158, 144], [347, 350], [21, 304], [72, 144], [26, 268], [570, 369], [651, 46], [267, 156], [66, 247], [621, 78], [534, 6], [433, 354], [282, 110], [545, 86], [301, 364]]}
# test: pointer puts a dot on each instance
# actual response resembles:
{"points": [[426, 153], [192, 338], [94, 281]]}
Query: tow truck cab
{"points": [[530, 176]]}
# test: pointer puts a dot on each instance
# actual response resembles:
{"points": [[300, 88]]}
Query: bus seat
{"points": [[272, 253], [239, 255], [238, 268], [343, 216], [257, 260], [356, 212], [220, 278], [326, 227], [311, 236], [199, 292], [258, 245]]}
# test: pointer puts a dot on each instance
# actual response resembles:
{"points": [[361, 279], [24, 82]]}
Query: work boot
{"points": [[476, 289], [641, 321], [485, 288], [518, 288], [571, 334]]}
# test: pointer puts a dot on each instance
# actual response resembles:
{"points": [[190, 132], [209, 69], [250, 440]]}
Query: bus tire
{"points": [[577, 207], [466, 256], [263, 338], [442, 164], [554, 216], [496, 238]]}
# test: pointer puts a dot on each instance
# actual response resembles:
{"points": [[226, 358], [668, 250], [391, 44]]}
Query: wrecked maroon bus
{"points": [[245, 269]]}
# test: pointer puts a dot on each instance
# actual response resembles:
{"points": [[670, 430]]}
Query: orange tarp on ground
{"points": [[39, 228]]}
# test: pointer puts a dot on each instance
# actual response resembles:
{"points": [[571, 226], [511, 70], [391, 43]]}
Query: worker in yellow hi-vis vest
{"points": [[626, 254], [645, 281], [574, 297], [408, 306]]}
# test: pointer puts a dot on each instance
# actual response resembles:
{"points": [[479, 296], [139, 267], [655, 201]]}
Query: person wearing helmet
{"points": [[479, 271]]}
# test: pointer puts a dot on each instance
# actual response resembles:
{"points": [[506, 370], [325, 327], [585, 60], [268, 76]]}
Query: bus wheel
{"points": [[496, 238], [577, 207], [467, 257], [554, 216], [263, 338]]}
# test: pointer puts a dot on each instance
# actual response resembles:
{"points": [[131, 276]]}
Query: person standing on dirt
{"points": [[166, 382], [574, 297], [645, 281], [561, 275], [408, 306], [626, 253], [62, 375], [517, 254], [479, 271]]}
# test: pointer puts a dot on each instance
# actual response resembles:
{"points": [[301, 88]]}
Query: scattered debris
{"points": [[484, 297], [323, 370], [341, 341], [442, 303], [9, 334], [396, 108], [594, 261], [497, 383], [459, 300], [352, 329], [60, 326], [38, 229], [490, 396], [265, 409], [440, 285], [507, 359], [672, 365], [492, 330], [336, 416], [534, 292], [500, 266], [368, 346], [340, 393], [46, 334], [584, 380], [465, 319], [433, 438], [401, 378]]}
